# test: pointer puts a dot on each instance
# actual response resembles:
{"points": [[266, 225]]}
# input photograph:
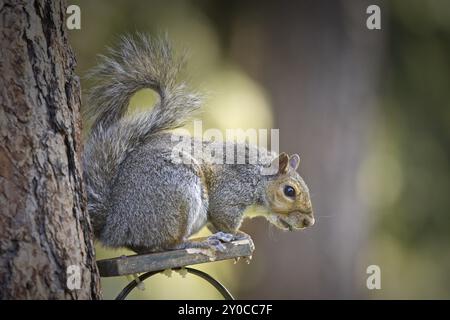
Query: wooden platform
{"points": [[160, 261]]}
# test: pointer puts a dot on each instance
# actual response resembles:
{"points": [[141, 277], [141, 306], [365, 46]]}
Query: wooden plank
{"points": [[172, 259]]}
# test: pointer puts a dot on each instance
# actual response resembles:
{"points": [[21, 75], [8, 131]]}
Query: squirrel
{"points": [[138, 197]]}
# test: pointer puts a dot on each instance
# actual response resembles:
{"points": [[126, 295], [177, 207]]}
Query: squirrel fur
{"points": [[138, 197]]}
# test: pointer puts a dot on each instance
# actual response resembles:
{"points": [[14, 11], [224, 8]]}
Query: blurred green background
{"points": [[367, 110]]}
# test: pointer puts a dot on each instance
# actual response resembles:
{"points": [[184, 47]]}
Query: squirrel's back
{"points": [[138, 62]]}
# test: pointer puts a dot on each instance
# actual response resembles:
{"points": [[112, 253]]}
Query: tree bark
{"points": [[44, 226]]}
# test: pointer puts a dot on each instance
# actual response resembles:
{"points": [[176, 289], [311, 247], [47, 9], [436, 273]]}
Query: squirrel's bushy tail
{"points": [[139, 62]]}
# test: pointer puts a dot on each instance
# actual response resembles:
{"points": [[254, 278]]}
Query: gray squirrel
{"points": [[138, 197]]}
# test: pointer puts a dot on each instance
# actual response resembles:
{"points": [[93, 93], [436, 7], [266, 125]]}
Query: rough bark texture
{"points": [[44, 226]]}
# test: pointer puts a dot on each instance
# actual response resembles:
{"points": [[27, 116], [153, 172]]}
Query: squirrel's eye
{"points": [[289, 191]]}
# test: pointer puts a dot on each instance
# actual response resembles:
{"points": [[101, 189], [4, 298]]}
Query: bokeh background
{"points": [[367, 110]]}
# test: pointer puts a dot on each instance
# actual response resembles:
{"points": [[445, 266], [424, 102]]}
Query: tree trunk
{"points": [[44, 225]]}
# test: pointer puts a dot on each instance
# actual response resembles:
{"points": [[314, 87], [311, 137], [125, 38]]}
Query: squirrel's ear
{"points": [[279, 165], [283, 163], [294, 161]]}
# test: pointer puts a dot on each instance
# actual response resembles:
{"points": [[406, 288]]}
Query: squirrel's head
{"points": [[287, 195]]}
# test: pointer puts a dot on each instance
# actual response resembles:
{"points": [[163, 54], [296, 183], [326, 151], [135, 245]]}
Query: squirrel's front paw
{"points": [[240, 236], [213, 244], [222, 236], [216, 240], [228, 237]]}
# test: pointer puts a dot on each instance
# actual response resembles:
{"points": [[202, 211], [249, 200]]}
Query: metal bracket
{"points": [[216, 284]]}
